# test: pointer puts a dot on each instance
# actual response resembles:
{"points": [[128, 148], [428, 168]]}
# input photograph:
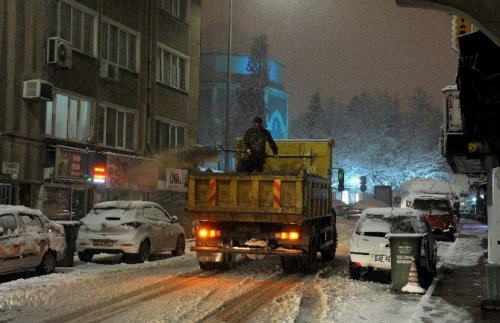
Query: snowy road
{"points": [[175, 289]]}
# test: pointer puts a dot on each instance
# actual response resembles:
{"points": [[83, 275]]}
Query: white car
{"points": [[29, 240], [370, 249], [135, 229]]}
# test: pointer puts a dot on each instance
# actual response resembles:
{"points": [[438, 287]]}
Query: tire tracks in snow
{"points": [[243, 306], [124, 302]]}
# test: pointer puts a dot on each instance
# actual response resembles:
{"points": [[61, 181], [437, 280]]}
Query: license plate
{"points": [[209, 257], [382, 258], [104, 242]]}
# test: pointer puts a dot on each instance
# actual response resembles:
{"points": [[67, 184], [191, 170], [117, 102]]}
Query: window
{"points": [[116, 127], [8, 223], [74, 23], [177, 8], [172, 68], [119, 45], [169, 135], [68, 117]]}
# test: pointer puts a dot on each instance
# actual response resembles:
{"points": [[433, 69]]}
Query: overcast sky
{"points": [[341, 47]]}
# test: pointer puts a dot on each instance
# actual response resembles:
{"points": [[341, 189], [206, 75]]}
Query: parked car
{"points": [[370, 249], [135, 229], [29, 241], [438, 211]]}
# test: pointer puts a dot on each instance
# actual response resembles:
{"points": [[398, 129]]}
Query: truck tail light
{"points": [[205, 233], [288, 235]]}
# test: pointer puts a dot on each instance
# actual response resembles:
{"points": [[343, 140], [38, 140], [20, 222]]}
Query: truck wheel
{"points": [[207, 266], [227, 262], [289, 264], [329, 253], [308, 264]]}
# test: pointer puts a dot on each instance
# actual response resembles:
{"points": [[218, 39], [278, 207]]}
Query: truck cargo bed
{"points": [[257, 198]]}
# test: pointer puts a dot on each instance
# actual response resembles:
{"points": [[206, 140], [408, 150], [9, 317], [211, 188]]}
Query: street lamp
{"points": [[228, 89]]}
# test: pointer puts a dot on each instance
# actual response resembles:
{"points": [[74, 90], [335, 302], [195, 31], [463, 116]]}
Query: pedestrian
{"points": [[255, 139]]}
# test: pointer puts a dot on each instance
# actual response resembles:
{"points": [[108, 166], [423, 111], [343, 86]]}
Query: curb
{"points": [[417, 315]]}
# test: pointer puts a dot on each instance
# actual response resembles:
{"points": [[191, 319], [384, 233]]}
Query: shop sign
{"points": [[130, 172], [69, 163], [176, 179], [10, 168]]}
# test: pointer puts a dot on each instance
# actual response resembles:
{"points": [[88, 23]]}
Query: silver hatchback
{"points": [[135, 229]]}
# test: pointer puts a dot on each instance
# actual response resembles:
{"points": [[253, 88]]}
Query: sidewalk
{"points": [[460, 285]]}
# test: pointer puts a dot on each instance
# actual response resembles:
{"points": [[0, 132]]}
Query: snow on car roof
{"points": [[4, 209], [387, 211], [427, 186], [125, 205], [430, 197]]}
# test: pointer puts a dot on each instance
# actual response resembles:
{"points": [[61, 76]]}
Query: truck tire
{"points": [[289, 265], [329, 253], [227, 262], [308, 263], [207, 266]]}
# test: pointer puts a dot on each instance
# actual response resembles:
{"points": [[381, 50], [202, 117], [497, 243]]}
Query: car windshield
{"points": [[430, 205], [379, 225], [113, 213]]}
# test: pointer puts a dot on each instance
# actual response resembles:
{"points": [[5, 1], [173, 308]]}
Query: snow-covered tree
{"points": [[311, 124], [380, 136], [250, 95]]}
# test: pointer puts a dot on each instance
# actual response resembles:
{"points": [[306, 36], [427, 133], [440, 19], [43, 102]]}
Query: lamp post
{"points": [[228, 89]]}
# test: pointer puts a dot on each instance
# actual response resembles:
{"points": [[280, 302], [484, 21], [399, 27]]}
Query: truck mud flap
{"points": [[278, 252]]}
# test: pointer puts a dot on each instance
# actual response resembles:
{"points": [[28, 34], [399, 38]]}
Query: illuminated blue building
{"points": [[213, 90]]}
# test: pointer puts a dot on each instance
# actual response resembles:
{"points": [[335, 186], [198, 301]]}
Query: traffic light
{"points": [[340, 175], [87, 179], [363, 183]]}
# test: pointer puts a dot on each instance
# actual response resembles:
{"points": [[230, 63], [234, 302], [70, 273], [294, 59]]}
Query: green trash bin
{"points": [[404, 248], [70, 232]]}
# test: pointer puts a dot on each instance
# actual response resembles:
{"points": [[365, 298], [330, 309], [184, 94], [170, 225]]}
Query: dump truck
{"points": [[286, 210]]}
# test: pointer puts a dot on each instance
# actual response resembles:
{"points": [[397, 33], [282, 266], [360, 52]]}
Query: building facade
{"points": [[213, 93], [92, 89]]}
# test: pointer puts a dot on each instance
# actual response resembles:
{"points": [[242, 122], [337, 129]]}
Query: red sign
{"points": [[69, 163]]}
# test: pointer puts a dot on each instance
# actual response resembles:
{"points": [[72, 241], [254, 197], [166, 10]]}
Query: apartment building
{"points": [[93, 93]]}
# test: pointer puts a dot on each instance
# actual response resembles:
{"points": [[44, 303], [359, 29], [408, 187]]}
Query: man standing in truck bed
{"points": [[255, 147]]}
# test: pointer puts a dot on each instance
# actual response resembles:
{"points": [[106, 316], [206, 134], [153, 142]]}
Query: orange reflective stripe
{"points": [[212, 191], [277, 193]]}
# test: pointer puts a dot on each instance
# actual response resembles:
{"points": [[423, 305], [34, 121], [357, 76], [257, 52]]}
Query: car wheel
{"points": [[308, 263], [451, 236], [129, 258], [144, 251], [85, 256], [180, 247], [47, 265], [354, 272]]}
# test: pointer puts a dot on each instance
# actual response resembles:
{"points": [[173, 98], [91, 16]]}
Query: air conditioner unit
{"points": [[37, 90], [110, 71], [59, 52]]}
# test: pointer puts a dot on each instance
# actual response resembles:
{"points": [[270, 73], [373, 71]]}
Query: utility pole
{"points": [[228, 85]]}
